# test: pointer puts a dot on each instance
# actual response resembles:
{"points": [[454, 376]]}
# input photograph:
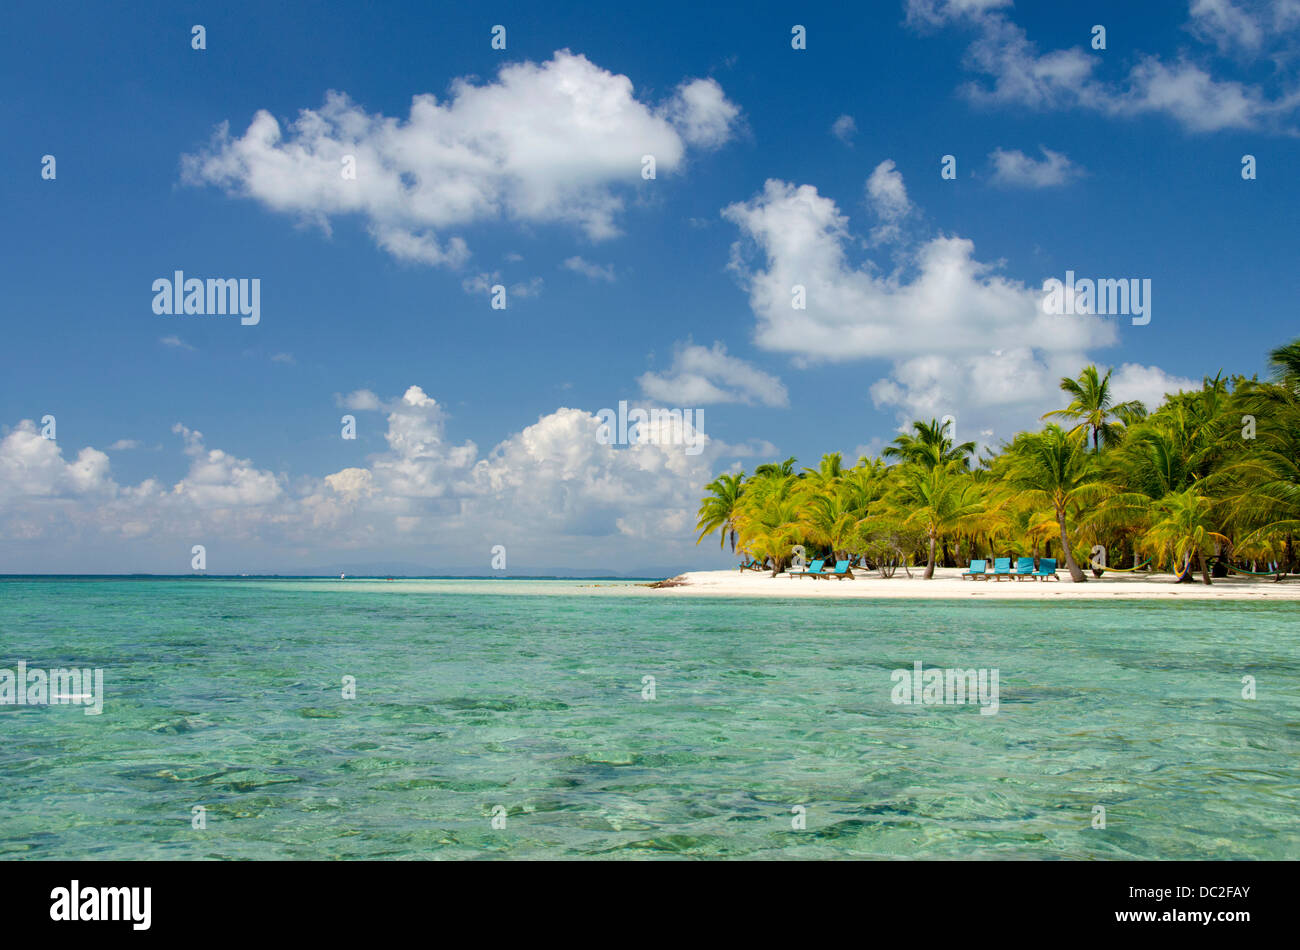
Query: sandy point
{"points": [[948, 583]]}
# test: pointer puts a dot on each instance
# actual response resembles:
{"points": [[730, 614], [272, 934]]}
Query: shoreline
{"points": [[947, 584]]}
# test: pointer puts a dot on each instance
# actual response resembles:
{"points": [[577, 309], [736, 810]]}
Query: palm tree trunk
{"points": [[1205, 571], [1076, 575], [929, 566]]}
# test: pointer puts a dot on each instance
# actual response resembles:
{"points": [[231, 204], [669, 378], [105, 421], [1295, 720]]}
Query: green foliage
{"points": [[1211, 472]]}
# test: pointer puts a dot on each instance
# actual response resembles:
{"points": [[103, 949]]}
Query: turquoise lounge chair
{"points": [[978, 571], [1001, 568], [752, 565], [1046, 568], [815, 569], [1024, 568], [842, 570]]}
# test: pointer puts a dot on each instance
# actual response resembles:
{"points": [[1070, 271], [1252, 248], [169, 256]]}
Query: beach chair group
{"points": [[817, 569], [1024, 570], [978, 571]]}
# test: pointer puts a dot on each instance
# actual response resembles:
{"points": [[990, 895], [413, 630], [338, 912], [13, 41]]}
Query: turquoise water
{"points": [[525, 699]]}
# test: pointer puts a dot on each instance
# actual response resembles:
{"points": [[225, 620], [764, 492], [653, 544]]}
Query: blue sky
{"points": [[673, 292]]}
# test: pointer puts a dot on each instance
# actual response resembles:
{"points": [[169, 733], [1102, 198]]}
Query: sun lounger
{"points": [[1024, 568], [1046, 568], [842, 570], [1002, 568], [815, 569], [978, 571]]}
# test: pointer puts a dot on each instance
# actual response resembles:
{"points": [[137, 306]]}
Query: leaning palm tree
{"points": [[771, 529], [1053, 469], [1093, 410], [1183, 530], [718, 510], [828, 521]]}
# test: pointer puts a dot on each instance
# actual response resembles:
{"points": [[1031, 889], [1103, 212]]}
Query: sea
{"points": [[256, 718]]}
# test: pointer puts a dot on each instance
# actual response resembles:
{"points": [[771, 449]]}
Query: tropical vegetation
{"points": [[1206, 483]]}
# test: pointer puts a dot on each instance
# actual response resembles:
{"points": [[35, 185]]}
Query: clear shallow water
{"points": [[527, 695]]}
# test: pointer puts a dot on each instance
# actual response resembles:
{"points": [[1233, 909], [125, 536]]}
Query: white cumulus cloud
{"points": [[551, 490], [949, 303], [545, 142], [960, 337], [1148, 384]]}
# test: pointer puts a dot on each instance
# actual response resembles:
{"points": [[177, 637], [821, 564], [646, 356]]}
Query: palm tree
{"points": [[1051, 468], [1286, 365], [826, 475], [1258, 482], [1183, 529], [862, 485], [940, 500], [1091, 407], [718, 510], [775, 468], [1213, 470], [826, 520], [772, 529], [931, 446]]}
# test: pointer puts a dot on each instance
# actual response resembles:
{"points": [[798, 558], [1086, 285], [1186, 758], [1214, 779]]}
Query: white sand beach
{"points": [[947, 583]]}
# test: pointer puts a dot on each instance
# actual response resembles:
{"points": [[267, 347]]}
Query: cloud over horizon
{"points": [[552, 489]]}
